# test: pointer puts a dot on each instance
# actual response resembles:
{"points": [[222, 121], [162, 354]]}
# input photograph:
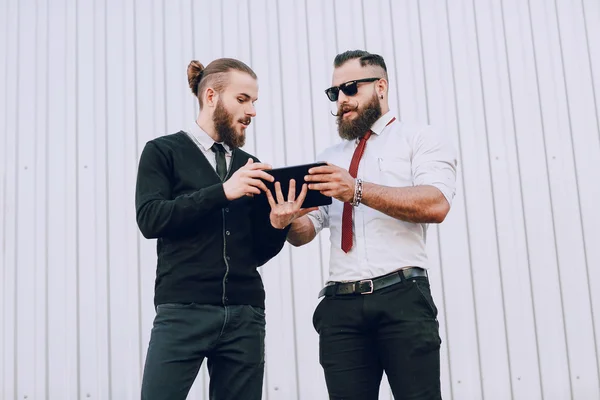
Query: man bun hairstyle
{"points": [[214, 75], [194, 72]]}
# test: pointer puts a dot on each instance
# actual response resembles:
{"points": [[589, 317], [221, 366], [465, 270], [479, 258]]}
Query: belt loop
{"points": [[335, 288], [401, 274]]}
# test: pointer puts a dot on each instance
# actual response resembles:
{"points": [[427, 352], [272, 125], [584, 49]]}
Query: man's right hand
{"points": [[247, 181]]}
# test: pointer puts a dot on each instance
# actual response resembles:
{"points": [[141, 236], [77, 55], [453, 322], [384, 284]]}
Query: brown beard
{"points": [[223, 121], [357, 128]]}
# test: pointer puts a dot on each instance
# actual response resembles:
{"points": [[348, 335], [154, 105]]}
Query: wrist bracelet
{"points": [[357, 193]]}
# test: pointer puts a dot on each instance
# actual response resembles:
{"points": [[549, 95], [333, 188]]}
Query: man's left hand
{"points": [[284, 212], [332, 181]]}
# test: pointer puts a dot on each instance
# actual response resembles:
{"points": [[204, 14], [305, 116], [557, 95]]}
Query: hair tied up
{"points": [[195, 70]]}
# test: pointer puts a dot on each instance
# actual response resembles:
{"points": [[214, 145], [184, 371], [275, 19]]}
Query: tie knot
{"points": [[367, 135], [218, 148]]}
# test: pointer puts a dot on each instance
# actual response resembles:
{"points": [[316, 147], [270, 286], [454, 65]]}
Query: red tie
{"points": [[347, 214]]}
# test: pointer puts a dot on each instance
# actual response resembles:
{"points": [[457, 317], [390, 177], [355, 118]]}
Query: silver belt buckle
{"points": [[370, 281]]}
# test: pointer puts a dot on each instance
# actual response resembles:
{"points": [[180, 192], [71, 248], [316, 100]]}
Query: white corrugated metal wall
{"points": [[515, 268]]}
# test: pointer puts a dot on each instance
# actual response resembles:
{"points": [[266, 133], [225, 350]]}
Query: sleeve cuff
{"points": [[211, 196]]}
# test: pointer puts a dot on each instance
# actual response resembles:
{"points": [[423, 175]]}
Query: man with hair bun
{"points": [[195, 194]]}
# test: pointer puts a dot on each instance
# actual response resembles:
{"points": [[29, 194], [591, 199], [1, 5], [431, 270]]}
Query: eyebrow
{"points": [[247, 96]]}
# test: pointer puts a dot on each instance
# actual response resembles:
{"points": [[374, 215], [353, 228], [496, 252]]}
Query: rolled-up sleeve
{"points": [[319, 218], [435, 162]]}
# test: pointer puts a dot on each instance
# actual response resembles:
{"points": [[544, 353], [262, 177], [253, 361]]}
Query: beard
{"points": [[224, 126], [358, 127]]}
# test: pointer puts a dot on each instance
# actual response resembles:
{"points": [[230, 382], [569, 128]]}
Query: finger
{"points": [[320, 178], [270, 198], [322, 186], [250, 161], [328, 169], [302, 196], [260, 166], [278, 193], [260, 174], [292, 190], [251, 190], [258, 184]]}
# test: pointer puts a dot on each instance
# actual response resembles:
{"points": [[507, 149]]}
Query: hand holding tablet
{"points": [[314, 198]]}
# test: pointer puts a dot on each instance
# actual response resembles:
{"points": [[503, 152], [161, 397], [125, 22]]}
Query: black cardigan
{"points": [[208, 247]]}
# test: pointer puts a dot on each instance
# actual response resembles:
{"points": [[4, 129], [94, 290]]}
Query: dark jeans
{"points": [[232, 338], [393, 330]]}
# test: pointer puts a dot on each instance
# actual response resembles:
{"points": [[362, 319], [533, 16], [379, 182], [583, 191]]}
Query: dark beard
{"points": [[367, 116], [223, 121]]}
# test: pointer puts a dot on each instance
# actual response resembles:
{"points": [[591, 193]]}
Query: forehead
{"points": [[352, 70], [241, 82]]}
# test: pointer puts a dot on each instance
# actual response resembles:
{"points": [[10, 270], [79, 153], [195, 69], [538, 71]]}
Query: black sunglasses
{"points": [[349, 88]]}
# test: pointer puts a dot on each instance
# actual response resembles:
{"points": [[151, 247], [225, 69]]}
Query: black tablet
{"points": [[283, 175]]}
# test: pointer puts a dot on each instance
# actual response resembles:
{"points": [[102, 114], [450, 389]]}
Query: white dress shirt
{"points": [[396, 155], [205, 142]]}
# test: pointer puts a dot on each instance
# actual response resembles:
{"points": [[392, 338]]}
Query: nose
{"points": [[342, 98], [251, 111]]}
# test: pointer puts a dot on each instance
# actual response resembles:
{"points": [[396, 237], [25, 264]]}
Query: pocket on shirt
{"points": [[394, 171]]}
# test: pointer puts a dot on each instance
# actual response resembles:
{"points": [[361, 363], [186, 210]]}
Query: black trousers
{"points": [[232, 338], [393, 330]]}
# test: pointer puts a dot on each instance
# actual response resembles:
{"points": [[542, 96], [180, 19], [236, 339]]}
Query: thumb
{"points": [[250, 161]]}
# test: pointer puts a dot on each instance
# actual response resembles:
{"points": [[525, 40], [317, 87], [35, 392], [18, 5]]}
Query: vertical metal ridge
{"points": [[136, 151], [364, 25], [47, 208], [394, 53], [312, 116], [310, 90], [16, 197], [518, 158], [426, 87], [596, 108], [464, 192], [164, 62], [36, 195], [254, 139], [106, 198], [77, 213], [423, 63], [577, 192], [335, 29], [4, 196], [487, 142], [591, 65], [222, 30], [285, 147], [543, 126]]}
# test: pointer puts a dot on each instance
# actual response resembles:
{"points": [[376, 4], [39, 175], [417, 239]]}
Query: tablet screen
{"points": [[283, 175]]}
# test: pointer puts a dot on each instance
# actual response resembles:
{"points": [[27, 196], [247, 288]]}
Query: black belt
{"points": [[368, 286]]}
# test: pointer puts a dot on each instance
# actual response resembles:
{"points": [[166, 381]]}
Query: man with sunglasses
{"points": [[389, 180]]}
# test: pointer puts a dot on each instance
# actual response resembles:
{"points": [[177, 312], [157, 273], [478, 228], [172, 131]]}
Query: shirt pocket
{"points": [[394, 171]]}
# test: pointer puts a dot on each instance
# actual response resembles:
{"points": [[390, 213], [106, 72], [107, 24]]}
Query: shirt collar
{"points": [[204, 139], [382, 122]]}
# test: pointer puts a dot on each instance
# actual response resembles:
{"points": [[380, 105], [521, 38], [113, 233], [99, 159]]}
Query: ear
{"points": [[382, 87], [210, 97]]}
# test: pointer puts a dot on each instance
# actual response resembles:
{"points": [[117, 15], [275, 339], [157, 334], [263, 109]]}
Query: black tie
{"points": [[221, 164]]}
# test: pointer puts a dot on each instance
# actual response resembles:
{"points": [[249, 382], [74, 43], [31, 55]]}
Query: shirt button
{"points": [[226, 280], [226, 299], [227, 233], [228, 258], [227, 210]]}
